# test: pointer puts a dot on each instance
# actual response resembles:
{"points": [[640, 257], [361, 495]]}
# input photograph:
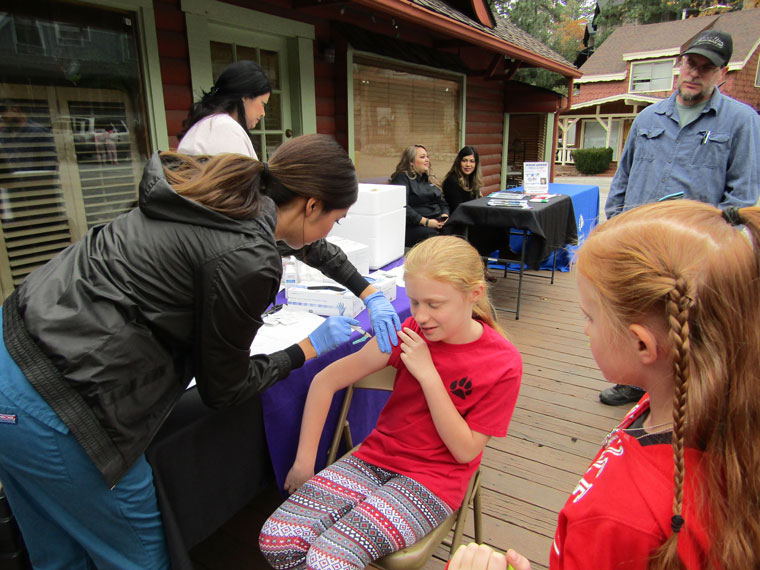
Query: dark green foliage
{"points": [[592, 160]]}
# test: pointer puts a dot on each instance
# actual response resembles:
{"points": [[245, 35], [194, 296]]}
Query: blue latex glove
{"points": [[384, 319], [333, 332]]}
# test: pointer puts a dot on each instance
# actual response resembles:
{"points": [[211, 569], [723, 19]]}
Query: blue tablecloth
{"points": [[586, 206], [283, 403]]}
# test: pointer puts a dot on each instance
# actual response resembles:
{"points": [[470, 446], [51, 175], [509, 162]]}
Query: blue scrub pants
{"points": [[68, 516]]}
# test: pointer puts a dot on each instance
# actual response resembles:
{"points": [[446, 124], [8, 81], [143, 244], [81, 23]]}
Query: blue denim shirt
{"points": [[714, 159]]}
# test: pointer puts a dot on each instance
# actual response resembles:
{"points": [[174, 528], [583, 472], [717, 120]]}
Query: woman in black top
{"points": [[463, 182], [426, 210]]}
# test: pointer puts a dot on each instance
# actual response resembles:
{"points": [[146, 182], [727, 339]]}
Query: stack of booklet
{"points": [[509, 199]]}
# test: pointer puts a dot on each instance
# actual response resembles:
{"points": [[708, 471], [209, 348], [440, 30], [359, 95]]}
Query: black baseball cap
{"points": [[714, 45]]}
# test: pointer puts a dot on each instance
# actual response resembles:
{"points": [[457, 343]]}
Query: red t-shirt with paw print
{"points": [[482, 378]]}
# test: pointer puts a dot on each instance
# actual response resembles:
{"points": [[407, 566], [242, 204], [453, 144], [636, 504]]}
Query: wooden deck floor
{"points": [[556, 429]]}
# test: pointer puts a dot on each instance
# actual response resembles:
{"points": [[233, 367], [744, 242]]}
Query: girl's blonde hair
{"points": [[452, 260], [698, 271]]}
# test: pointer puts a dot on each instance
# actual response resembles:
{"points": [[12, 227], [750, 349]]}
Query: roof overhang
{"points": [[454, 29], [603, 77], [669, 52], [627, 98]]}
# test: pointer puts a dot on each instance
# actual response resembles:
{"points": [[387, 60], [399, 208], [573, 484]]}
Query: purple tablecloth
{"points": [[283, 403]]}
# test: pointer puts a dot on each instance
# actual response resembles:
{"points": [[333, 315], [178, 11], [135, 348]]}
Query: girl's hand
{"points": [[517, 561], [297, 476], [437, 224], [483, 557], [415, 354]]}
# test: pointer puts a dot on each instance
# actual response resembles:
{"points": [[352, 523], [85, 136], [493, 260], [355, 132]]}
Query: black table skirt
{"points": [[551, 225], [207, 465]]}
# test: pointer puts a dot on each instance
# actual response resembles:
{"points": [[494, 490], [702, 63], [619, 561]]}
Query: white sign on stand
{"points": [[536, 177]]}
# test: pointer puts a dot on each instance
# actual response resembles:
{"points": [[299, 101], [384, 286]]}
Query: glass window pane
{"points": [[73, 132], [273, 141], [273, 118], [394, 109], [245, 53], [256, 140], [270, 61], [221, 57]]}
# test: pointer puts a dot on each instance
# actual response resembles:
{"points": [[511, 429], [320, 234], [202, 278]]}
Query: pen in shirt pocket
{"points": [[706, 137]]}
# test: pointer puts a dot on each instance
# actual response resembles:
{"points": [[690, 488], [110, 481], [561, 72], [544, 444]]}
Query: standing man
{"points": [[698, 144]]}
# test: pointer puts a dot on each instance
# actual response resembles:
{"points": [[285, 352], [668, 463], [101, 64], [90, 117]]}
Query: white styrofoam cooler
{"points": [[377, 219], [379, 199]]}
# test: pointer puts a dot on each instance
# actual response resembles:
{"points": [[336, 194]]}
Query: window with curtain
{"points": [[395, 107], [652, 76]]}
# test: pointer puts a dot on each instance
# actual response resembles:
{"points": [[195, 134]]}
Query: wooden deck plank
{"points": [[557, 427]]}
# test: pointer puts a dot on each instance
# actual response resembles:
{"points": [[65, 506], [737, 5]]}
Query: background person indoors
{"points": [[220, 121], [464, 181], [670, 292], [698, 142], [426, 210], [101, 342]]}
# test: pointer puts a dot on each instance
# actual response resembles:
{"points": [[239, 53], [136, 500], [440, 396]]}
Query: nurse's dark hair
{"points": [[240, 79], [309, 166]]}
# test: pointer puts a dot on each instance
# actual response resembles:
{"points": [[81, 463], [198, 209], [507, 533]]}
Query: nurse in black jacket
{"points": [[463, 182], [426, 210], [100, 343]]}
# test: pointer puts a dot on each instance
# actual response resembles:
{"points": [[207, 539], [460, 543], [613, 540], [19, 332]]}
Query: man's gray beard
{"points": [[691, 97]]}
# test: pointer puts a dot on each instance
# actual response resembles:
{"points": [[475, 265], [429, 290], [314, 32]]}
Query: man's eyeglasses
{"points": [[705, 69]]}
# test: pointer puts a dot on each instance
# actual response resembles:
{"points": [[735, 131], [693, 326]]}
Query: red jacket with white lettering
{"points": [[619, 514]]}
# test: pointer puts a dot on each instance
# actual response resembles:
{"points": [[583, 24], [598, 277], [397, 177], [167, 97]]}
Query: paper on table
{"points": [[283, 328], [280, 330], [397, 273]]}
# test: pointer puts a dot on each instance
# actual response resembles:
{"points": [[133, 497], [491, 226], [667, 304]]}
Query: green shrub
{"points": [[592, 160]]}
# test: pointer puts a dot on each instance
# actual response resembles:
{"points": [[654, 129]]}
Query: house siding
{"points": [[484, 126], [174, 62], [741, 84]]}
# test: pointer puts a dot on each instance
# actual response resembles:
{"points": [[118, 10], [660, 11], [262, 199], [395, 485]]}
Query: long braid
{"points": [[677, 309]]}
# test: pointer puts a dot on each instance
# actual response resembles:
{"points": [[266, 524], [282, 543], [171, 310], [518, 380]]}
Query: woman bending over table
{"points": [[100, 343]]}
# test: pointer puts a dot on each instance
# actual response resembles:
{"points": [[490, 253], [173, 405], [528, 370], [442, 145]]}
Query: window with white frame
{"points": [[397, 106], [651, 76], [757, 74]]}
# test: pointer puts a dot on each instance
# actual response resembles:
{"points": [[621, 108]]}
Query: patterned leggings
{"points": [[348, 515]]}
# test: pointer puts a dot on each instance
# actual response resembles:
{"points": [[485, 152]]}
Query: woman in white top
{"points": [[220, 121]]}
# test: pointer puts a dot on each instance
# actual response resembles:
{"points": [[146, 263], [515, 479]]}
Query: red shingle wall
{"points": [[741, 84]]}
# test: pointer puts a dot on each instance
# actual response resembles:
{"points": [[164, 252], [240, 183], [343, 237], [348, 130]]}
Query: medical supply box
{"points": [[328, 300], [377, 219]]}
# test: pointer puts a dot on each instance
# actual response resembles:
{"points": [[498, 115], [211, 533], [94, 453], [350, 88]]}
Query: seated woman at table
{"points": [[463, 181], [100, 343], [670, 292], [426, 210], [456, 386]]}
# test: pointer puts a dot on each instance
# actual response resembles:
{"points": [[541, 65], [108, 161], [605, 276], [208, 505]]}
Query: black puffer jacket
{"points": [[111, 331]]}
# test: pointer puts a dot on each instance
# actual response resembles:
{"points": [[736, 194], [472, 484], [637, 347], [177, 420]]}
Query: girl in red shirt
{"points": [[456, 387], [670, 292]]}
